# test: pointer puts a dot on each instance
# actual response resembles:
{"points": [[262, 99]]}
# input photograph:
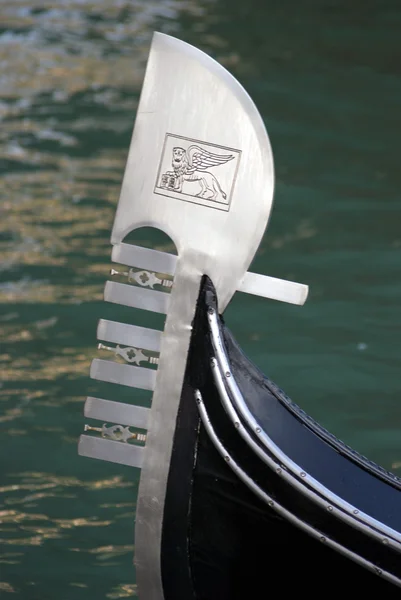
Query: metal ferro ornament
{"points": [[199, 168]]}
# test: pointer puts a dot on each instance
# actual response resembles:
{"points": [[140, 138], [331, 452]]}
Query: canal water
{"points": [[326, 78]]}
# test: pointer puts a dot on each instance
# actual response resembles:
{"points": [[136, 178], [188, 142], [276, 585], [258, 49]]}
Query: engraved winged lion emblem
{"points": [[193, 165]]}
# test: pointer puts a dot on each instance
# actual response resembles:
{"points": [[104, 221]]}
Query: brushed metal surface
{"points": [[188, 95], [136, 297], [129, 335], [116, 412], [130, 375], [144, 258], [273, 288], [111, 451]]}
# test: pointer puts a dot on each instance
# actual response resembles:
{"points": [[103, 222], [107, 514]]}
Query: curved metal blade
{"points": [[200, 165]]}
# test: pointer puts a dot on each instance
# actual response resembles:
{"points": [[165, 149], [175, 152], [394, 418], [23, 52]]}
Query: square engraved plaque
{"points": [[198, 172]]}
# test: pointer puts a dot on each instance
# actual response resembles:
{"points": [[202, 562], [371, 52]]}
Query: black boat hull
{"points": [[237, 512]]}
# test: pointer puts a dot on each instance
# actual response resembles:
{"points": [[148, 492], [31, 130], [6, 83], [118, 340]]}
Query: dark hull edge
{"points": [[228, 517]]}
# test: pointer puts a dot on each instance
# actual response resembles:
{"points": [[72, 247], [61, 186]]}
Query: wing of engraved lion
{"points": [[200, 159]]}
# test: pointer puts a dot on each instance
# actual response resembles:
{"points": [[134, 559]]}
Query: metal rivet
{"points": [[356, 512], [210, 310], [322, 539], [378, 571], [271, 503], [228, 374], [385, 541], [227, 458], [303, 474], [258, 430], [236, 424], [278, 470], [330, 508]]}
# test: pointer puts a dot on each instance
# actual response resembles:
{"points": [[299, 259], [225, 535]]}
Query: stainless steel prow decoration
{"points": [[200, 168]]}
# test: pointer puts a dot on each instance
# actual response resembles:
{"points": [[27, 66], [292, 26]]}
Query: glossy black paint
{"points": [[346, 473], [222, 542]]}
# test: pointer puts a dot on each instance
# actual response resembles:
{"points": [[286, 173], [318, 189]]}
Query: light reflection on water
{"points": [[70, 75], [69, 81]]}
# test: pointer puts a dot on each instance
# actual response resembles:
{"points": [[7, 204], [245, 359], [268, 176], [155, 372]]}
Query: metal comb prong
{"points": [[127, 295], [144, 258], [111, 451], [110, 411], [132, 376], [273, 288], [129, 335]]}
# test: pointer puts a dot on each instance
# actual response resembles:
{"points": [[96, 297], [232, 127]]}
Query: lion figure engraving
{"points": [[192, 165]]}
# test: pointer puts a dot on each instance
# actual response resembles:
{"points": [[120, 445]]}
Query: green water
{"points": [[326, 78]]}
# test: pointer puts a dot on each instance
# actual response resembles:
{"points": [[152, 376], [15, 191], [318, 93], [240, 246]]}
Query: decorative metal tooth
{"points": [[117, 433], [143, 278], [110, 450], [112, 372], [129, 335], [273, 288], [133, 356], [144, 258], [127, 295], [116, 412]]}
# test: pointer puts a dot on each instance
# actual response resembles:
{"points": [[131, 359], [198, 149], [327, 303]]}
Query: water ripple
{"points": [[70, 77]]}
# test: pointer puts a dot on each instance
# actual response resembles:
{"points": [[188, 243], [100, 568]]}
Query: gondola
{"points": [[242, 494]]}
